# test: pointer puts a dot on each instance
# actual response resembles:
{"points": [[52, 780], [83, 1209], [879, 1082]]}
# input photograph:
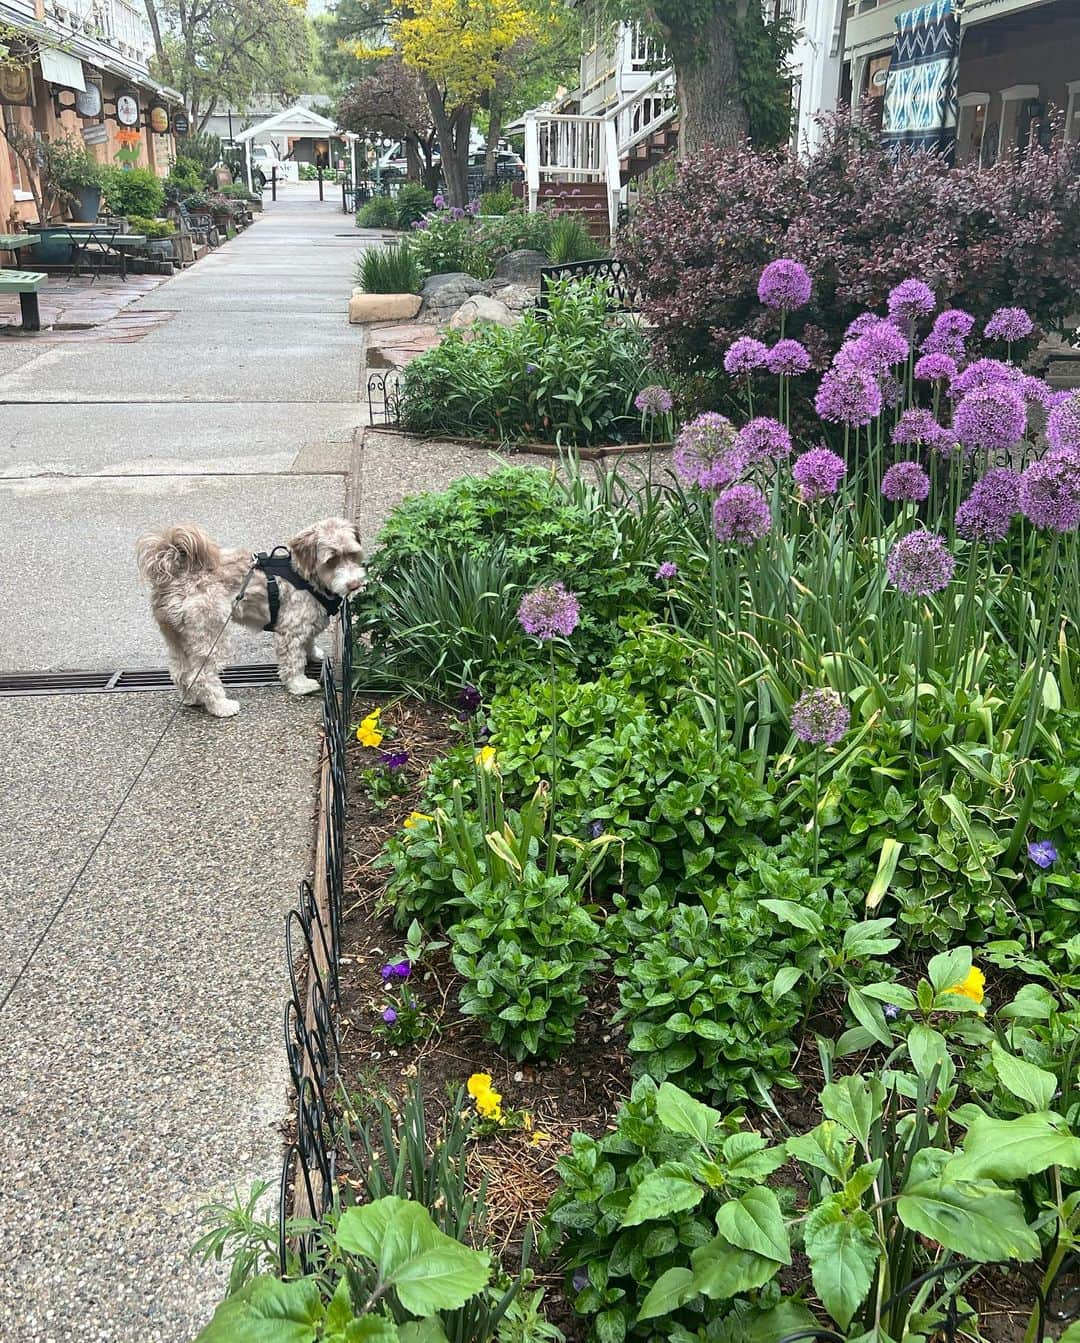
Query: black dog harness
{"points": [[278, 564]]}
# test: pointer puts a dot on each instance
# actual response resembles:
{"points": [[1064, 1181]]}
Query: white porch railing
{"points": [[576, 148]]}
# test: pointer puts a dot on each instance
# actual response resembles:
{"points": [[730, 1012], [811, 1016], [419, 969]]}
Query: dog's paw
{"points": [[302, 685], [225, 708]]}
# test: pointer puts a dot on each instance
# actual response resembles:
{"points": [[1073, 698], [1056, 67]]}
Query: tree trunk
{"points": [[414, 164], [711, 108], [452, 128], [491, 148]]}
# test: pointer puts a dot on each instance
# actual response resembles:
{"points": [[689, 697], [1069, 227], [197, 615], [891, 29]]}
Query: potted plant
{"points": [[78, 177]]}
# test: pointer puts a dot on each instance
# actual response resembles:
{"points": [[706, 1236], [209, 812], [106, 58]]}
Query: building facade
{"points": [[86, 78]]}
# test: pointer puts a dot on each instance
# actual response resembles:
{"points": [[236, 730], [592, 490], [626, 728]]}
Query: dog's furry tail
{"points": [[167, 553]]}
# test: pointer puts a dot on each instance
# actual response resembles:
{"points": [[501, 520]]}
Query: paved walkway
{"points": [[141, 1056]]}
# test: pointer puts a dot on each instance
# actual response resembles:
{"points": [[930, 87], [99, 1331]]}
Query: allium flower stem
{"points": [[554, 760], [817, 804], [1051, 619], [714, 621]]}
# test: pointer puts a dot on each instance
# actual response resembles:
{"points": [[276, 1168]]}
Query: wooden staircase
{"points": [[587, 199], [647, 153]]}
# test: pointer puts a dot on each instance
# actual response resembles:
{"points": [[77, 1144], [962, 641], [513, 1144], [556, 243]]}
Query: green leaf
{"points": [[886, 870], [754, 1222], [869, 1016], [378, 1329], [266, 1310], [1024, 1080], [949, 968], [788, 1317], [747, 1159], [1012, 1149], [672, 1187], [1072, 1334], [855, 1103], [843, 1255], [784, 981], [826, 1148], [797, 915], [671, 1290], [429, 1271], [339, 1312], [722, 1271], [975, 1219], [422, 1331], [610, 1326], [680, 1113], [928, 1050]]}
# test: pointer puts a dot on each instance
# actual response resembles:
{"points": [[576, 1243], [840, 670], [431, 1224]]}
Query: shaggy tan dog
{"points": [[193, 582]]}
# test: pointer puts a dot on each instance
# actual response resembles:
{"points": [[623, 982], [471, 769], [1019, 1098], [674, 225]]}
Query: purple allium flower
{"points": [[762, 440], [935, 368], [848, 395], [456, 212], [469, 700], [1063, 425], [818, 474], [741, 514], [991, 418], [1035, 392], [667, 570], [905, 482], [920, 563], [705, 452], [473, 207], [878, 348], [951, 328], [1009, 324], [744, 355], [389, 1015], [984, 373], [911, 299], [394, 760], [784, 284], [1042, 853], [987, 513], [439, 201], [549, 611], [820, 717], [890, 1011], [654, 401], [788, 358], [420, 224], [1050, 494], [915, 426], [943, 442], [861, 324]]}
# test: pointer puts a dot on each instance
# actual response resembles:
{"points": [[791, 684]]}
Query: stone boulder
{"points": [[520, 267], [481, 308], [382, 307], [517, 297], [442, 295]]}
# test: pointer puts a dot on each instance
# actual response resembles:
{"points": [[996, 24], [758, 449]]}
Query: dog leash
{"points": [[120, 805]]}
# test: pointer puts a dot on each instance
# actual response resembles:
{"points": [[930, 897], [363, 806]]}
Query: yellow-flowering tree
{"points": [[457, 48]]}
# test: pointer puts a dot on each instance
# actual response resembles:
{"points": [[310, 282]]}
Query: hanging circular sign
{"points": [[159, 118], [88, 101], [180, 123], [127, 109]]}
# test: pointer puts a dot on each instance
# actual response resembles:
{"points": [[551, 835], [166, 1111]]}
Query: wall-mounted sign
{"points": [[180, 123], [88, 103], [16, 85], [158, 116], [127, 109], [97, 133]]}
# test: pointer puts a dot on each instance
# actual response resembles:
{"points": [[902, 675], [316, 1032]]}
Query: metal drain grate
{"points": [[250, 674]]}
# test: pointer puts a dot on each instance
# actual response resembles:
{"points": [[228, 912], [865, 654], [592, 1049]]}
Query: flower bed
{"points": [[754, 809]]}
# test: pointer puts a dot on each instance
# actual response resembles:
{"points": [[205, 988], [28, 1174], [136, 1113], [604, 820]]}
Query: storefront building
{"points": [[85, 78]]}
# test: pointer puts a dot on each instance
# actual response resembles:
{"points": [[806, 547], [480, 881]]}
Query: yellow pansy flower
{"points": [[485, 758], [487, 1100], [414, 818], [972, 986], [368, 733]]}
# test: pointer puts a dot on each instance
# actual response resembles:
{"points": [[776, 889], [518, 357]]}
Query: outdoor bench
{"points": [[25, 283]]}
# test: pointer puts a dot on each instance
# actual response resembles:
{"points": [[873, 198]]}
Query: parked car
{"points": [[264, 160], [509, 166]]}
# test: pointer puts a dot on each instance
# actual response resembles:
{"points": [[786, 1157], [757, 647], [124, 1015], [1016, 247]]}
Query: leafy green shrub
{"points": [[71, 166], [567, 377], [153, 228], [570, 240], [379, 212], [525, 955], [500, 202], [185, 176], [389, 270], [412, 201], [134, 191]]}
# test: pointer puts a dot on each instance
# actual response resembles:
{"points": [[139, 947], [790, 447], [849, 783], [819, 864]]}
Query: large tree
{"points": [[390, 102], [221, 52], [729, 60], [456, 49]]}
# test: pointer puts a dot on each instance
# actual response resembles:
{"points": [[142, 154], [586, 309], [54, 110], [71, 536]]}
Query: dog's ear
{"points": [[305, 552], [359, 538]]}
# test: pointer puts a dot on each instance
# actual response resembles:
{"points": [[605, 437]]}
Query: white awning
{"points": [[57, 67]]}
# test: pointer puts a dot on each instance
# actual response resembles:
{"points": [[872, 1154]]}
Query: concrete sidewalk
{"points": [[142, 1057]]}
